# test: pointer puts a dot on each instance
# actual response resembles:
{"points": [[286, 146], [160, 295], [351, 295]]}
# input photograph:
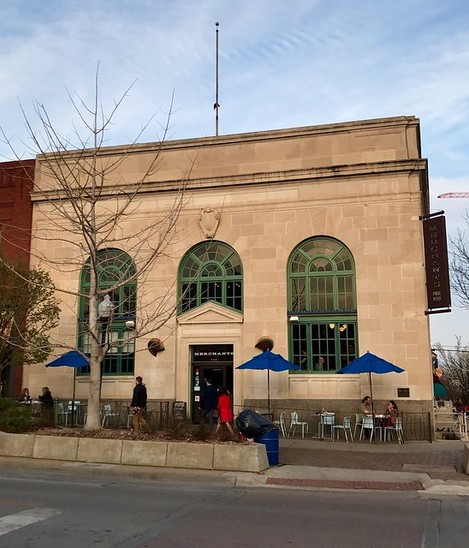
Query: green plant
{"points": [[14, 417]]}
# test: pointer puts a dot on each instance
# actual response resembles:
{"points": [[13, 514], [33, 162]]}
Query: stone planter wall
{"points": [[240, 457]]}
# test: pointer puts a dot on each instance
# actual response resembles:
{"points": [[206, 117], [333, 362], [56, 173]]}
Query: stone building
{"points": [[309, 237]]}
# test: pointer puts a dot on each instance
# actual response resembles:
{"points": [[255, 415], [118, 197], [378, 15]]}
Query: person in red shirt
{"points": [[225, 413]]}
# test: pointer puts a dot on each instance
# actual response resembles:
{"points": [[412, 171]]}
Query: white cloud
{"points": [[282, 64]]}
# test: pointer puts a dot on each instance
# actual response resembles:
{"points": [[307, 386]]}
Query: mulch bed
{"points": [[121, 434]]}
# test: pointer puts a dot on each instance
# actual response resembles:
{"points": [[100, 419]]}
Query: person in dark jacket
{"points": [[208, 402], [47, 407], [139, 405], [46, 398]]}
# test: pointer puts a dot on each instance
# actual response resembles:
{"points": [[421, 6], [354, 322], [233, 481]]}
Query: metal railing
{"points": [[416, 426]]}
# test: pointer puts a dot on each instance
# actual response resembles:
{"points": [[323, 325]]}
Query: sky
{"points": [[281, 64]]}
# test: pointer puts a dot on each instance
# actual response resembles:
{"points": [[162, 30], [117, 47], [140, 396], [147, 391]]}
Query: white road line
{"points": [[22, 519]]}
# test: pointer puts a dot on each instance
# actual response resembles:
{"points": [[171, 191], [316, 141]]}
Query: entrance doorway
{"points": [[215, 362]]}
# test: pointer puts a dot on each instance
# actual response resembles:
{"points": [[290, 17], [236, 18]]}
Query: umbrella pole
{"points": [[371, 396], [73, 397], [268, 389]]}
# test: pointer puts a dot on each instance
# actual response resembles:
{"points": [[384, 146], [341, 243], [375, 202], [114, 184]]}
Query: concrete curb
{"points": [[343, 474], [201, 456], [465, 458]]}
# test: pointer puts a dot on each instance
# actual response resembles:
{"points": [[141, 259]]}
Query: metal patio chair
{"points": [[346, 427]]}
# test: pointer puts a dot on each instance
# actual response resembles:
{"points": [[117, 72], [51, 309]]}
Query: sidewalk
{"points": [[433, 468]]}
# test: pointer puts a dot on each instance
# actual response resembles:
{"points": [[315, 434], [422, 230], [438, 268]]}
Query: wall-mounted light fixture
{"points": [[130, 324], [294, 318]]}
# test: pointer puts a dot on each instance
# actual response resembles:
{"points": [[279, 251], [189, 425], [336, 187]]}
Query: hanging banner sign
{"points": [[436, 264]]}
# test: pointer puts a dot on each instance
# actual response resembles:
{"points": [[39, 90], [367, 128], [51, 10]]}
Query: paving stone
{"points": [[341, 484]]}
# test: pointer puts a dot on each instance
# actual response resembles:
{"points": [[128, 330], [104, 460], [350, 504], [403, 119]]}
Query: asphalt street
{"points": [[49, 508]]}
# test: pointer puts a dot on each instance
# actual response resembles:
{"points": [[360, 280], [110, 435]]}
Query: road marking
{"points": [[28, 517]]}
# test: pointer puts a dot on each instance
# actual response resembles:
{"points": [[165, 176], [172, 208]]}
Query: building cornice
{"points": [[270, 178]]}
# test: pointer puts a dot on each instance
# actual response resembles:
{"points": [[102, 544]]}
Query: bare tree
{"points": [[89, 201], [460, 266], [455, 365]]}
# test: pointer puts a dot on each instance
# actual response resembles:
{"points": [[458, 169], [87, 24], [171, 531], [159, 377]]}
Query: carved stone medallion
{"points": [[209, 220]]}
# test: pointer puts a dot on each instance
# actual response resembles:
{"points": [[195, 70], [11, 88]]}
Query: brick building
{"points": [[16, 181]]}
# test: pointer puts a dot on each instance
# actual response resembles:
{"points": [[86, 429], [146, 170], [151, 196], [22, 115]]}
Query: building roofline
{"points": [[264, 135]]}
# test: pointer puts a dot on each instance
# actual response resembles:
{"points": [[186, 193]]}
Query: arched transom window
{"points": [[321, 293], [211, 271]]}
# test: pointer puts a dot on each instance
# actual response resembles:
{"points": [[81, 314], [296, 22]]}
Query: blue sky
{"points": [[282, 64]]}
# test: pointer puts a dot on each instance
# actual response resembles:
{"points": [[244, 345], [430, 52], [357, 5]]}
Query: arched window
{"points": [[321, 293], [113, 268], [211, 271]]}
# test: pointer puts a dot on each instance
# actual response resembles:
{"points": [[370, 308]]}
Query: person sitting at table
{"points": [[366, 407], [46, 397], [24, 396], [391, 413], [320, 365]]}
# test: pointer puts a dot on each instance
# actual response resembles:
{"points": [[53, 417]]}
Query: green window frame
{"points": [[322, 295], [210, 272], [113, 266]]}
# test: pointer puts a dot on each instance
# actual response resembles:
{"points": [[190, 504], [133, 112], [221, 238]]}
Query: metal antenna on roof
{"points": [[216, 106]]}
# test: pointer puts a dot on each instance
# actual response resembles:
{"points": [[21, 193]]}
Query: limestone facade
{"points": [[363, 184]]}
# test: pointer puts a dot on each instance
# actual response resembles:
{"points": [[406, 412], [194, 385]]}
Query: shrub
{"points": [[177, 429], [14, 417], [202, 432]]}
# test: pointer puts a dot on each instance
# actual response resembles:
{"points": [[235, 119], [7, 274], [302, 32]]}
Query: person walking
{"points": [[139, 405], [208, 402], [47, 406], [225, 413]]}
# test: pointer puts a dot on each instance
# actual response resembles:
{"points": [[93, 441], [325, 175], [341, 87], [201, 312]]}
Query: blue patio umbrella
{"points": [[74, 359], [270, 361], [370, 363], [439, 391]]}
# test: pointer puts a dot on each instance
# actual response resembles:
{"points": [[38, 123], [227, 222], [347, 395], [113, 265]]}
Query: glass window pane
{"points": [[114, 267], [300, 346], [320, 265], [299, 263], [191, 267], [219, 263], [326, 289], [189, 296], [211, 270], [298, 294]]}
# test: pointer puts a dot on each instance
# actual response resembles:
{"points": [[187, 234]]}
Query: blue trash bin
{"points": [[271, 441]]}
